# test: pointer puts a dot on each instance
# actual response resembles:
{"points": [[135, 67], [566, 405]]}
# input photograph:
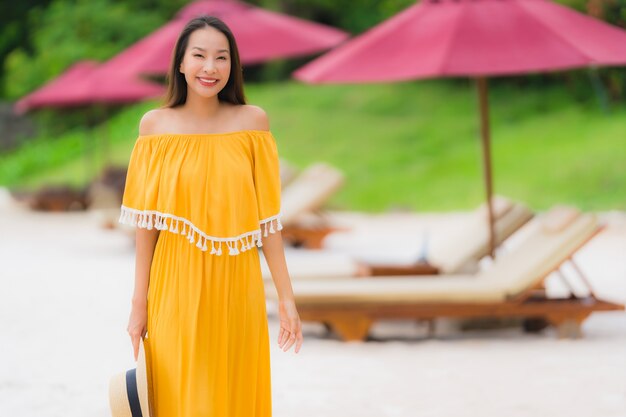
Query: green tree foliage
{"points": [[354, 16], [13, 31], [614, 12], [166, 9], [69, 31]]}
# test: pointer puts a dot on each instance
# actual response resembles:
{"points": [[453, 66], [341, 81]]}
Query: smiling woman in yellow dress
{"points": [[203, 190]]}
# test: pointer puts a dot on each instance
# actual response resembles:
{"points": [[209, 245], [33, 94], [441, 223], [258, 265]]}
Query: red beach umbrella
{"points": [[56, 87], [85, 83], [474, 38], [261, 35]]}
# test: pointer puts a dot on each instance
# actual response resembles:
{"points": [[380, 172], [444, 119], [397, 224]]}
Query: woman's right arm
{"points": [[145, 242], [137, 323]]}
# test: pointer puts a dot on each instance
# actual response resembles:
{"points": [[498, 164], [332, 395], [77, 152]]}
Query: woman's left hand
{"points": [[290, 326]]}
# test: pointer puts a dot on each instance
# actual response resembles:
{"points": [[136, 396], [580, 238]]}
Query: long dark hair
{"points": [[176, 84]]}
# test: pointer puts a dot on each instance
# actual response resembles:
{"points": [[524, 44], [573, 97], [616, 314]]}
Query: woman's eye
{"points": [[198, 55], [221, 57]]}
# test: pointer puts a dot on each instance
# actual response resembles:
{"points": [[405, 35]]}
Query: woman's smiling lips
{"points": [[207, 82]]}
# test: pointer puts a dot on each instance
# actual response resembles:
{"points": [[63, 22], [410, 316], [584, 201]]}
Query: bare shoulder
{"points": [[152, 121], [253, 117]]}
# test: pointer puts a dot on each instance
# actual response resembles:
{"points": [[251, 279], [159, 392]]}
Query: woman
{"points": [[203, 189]]}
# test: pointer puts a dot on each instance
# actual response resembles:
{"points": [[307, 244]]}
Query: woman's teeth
{"points": [[207, 81]]}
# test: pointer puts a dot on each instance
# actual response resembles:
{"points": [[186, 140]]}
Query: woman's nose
{"points": [[209, 66]]}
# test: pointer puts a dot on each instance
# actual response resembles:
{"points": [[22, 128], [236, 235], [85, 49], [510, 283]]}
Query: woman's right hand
{"points": [[137, 324]]}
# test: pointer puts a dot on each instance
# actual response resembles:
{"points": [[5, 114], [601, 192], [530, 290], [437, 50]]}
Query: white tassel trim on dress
{"points": [[148, 219]]}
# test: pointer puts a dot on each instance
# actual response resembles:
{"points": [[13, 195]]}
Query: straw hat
{"points": [[128, 391]]}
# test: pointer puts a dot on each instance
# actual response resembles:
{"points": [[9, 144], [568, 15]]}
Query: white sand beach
{"points": [[64, 305]]}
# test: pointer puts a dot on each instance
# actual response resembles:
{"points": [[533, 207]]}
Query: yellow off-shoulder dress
{"points": [[212, 196]]}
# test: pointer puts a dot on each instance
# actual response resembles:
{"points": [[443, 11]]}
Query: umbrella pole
{"points": [[483, 101]]}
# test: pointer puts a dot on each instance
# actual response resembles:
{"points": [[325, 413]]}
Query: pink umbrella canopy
{"points": [[56, 87], [261, 36], [85, 83], [475, 38], [471, 38]]}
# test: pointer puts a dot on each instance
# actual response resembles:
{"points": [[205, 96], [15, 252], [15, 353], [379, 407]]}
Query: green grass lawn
{"points": [[409, 145]]}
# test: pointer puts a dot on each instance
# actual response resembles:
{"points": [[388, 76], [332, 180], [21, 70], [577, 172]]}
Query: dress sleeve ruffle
{"points": [[220, 192], [267, 184]]}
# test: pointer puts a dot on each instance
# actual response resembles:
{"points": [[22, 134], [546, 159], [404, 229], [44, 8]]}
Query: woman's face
{"points": [[206, 63]]}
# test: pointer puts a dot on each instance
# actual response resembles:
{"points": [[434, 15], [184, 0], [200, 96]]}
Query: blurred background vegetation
{"points": [[557, 138]]}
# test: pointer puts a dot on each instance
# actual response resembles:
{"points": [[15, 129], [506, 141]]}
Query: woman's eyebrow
{"points": [[204, 50]]}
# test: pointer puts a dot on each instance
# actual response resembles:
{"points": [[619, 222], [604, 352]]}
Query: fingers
{"points": [[135, 335], [135, 340], [293, 335], [290, 341], [299, 340], [281, 335]]}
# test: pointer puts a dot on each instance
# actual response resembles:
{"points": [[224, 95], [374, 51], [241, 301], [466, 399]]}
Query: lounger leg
{"points": [[352, 328], [534, 324]]}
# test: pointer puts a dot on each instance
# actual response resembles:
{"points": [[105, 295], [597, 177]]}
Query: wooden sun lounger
{"points": [[288, 172], [463, 250], [307, 193], [314, 264], [512, 286]]}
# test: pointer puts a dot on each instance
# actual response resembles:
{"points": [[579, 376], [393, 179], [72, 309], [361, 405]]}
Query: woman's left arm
{"points": [[272, 245], [290, 326]]}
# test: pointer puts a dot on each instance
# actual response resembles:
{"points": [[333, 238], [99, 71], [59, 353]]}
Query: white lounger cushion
{"points": [[460, 255], [309, 191], [460, 288], [314, 264], [511, 274], [464, 249], [540, 254]]}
